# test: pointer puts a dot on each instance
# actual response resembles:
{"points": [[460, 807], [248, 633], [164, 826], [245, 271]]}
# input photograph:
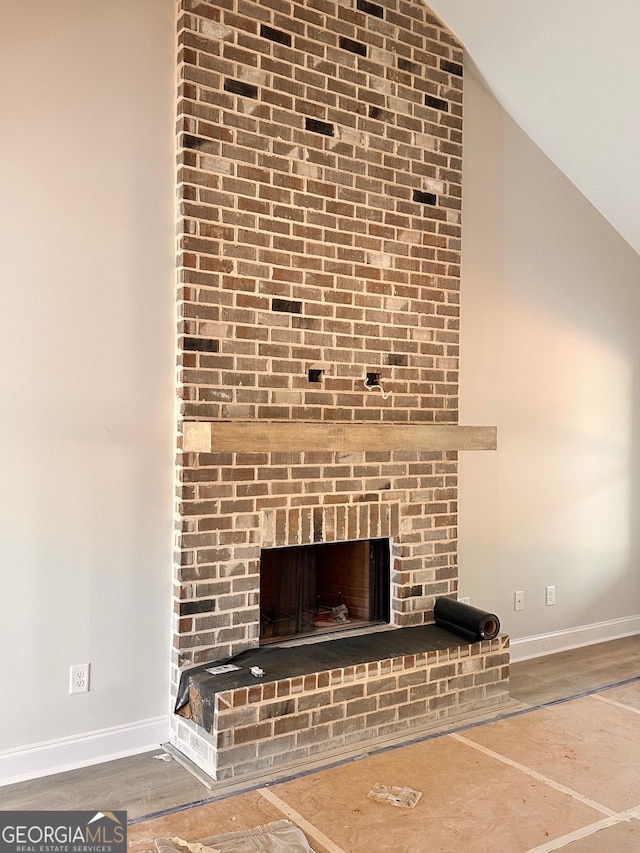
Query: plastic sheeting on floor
{"points": [[281, 836]]}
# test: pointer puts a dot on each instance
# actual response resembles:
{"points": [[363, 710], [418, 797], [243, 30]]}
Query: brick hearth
{"points": [[377, 685]]}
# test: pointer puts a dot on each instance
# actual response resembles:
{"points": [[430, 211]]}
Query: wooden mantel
{"points": [[296, 436]]}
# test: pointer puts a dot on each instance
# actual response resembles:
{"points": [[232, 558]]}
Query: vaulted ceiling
{"points": [[568, 72]]}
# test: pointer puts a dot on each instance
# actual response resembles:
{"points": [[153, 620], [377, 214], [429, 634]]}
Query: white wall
{"points": [[86, 329], [551, 354]]}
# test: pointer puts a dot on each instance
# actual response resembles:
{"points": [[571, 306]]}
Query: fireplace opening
{"points": [[322, 588]]}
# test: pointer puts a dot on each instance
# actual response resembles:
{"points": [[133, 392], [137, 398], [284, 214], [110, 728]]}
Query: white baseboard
{"points": [[70, 753], [526, 648]]}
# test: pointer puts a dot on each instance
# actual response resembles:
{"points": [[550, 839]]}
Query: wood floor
{"points": [[559, 770]]}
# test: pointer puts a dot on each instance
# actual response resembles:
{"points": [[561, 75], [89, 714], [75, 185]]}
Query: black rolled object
{"points": [[465, 620]]}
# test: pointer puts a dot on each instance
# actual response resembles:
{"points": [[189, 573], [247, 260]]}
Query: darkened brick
{"points": [[193, 141], [370, 8], [316, 126], [352, 46], [188, 608], [200, 345], [407, 65], [239, 87], [436, 103], [275, 35], [286, 306], [397, 359], [452, 67], [379, 114], [424, 198]]}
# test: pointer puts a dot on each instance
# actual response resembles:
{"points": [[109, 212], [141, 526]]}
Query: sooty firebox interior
{"points": [[312, 589]]}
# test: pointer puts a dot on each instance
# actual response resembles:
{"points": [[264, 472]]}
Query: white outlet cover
{"points": [[79, 678]]}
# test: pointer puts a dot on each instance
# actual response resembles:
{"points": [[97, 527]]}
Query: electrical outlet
{"points": [[518, 600], [551, 596], [79, 678], [465, 600]]}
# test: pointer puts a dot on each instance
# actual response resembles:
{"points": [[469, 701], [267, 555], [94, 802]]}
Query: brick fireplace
{"points": [[319, 202]]}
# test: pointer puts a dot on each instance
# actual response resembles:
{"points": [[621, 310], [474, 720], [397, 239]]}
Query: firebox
{"points": [[323, 588]]}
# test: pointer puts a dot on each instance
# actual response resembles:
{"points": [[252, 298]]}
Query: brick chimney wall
{"points": [[319, 197]]}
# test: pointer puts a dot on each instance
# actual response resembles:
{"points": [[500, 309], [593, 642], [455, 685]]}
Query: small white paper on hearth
{"points": [[404, 797], [220, 670]]}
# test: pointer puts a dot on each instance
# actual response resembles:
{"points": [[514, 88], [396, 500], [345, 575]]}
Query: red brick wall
{"points": [[319, 191]]}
